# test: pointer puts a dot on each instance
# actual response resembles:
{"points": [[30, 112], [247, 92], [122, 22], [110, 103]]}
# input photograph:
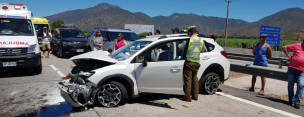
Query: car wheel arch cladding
{"points": [[123, 79], [216, 68]]}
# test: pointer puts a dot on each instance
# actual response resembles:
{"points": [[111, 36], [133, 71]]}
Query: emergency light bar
{"points": [[16, 4]]}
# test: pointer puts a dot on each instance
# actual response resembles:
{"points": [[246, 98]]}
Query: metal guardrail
{"points": [[278, 61], [279, 74]]}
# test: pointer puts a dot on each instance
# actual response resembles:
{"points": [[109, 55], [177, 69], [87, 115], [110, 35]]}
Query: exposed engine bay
{"points": [[78, 90]]}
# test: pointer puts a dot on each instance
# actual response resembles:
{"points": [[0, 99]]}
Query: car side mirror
{"points": [[52, 31], [144, 63], [109, 50]]}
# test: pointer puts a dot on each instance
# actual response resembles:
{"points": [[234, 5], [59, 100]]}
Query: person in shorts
{"points": [[45, 42], [261, 52]]}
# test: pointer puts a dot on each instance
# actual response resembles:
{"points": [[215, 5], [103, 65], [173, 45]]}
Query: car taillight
{"points": [[4, 7], [224, 53]]}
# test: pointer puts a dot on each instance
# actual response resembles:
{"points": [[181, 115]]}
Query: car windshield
{"points": [[128, 36], [16, 27], [72, 34], [127, 51], [40, 27]]}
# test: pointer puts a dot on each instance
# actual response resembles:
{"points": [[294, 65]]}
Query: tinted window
{"points": [[209, 46], [16, 27], [104, 35], [72, 34], [129, 36], [92, 33]]}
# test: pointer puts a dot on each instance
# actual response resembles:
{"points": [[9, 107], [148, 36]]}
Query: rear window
{"points": [[128, 36], [16, 27]]}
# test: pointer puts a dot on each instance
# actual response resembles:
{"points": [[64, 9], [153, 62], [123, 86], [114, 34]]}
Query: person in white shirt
{"points": [[45, 42]]}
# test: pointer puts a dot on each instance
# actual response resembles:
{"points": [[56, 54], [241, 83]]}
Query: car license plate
{"points": [[79, 50], [7, 64]]}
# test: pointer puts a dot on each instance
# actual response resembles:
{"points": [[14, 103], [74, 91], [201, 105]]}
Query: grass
{"points": [[249, 43], [233, 75]]}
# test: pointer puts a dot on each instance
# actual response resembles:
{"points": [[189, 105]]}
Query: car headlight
{"points": [[31, 48], [67, 43]]}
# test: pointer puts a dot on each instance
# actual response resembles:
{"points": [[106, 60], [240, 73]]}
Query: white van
{"points": [[19, 45]]}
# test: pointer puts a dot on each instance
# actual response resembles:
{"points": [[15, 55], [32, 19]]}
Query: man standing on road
{"points": [[175, 30], [295, 72], [191, 66], [261, 52], [45, 42], [157, 32]]}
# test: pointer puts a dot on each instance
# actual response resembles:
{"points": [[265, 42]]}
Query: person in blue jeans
{"points": [[261, 52], [295, 72]]}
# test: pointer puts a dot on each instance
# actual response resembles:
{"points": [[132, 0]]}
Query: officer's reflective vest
{"points": [[195, 47]]}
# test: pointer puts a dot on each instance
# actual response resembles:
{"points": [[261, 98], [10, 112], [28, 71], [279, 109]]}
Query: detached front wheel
{"points": [[112, 94], [210, 83]]}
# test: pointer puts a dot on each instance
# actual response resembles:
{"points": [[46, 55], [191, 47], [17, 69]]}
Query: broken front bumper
{"points": [[68, 97]]}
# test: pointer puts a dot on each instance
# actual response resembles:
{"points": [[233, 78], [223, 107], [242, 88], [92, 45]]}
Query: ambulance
{"points": [[39, 23], [19, 47]]}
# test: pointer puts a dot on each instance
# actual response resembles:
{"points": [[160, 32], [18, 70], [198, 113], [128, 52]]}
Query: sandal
{"points": [[261, 92]]}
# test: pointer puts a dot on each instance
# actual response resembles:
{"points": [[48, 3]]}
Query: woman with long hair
{"points": [[98, 40], [120, 42]]}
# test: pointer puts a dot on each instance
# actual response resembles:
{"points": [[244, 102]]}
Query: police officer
{"points": [[191, 65]]}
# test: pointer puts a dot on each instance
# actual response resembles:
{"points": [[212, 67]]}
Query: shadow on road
{"points": [[7, 73], [153, 100]]}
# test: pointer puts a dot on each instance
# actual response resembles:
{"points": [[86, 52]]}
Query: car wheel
{"points": [[38, 69], [59, 53], [210, 83], [112, 94]]}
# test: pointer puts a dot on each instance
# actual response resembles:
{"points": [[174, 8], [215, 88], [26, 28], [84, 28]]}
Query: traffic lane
{"points": [[62, 64], [22, 90], [159, 105], [251, 63], [264, 100]]}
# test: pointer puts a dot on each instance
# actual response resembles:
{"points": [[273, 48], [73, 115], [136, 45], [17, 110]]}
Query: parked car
{"points": [[110, 36], [110, 79], [68, 41]]}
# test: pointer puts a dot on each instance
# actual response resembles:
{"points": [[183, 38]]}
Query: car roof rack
{"points": [[100, 27]]}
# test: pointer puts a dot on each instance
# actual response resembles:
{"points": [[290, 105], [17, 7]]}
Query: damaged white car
{"points": [[151, 65]]}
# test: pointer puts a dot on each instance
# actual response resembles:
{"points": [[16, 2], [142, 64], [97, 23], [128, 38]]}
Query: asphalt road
{"points": [[24, 93]]}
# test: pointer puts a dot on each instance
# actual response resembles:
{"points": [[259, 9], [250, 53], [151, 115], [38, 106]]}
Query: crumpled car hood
{"points": [[97, 55]]}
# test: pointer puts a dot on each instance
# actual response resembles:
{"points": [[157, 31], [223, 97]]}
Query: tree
{"points": [[56, 24]]}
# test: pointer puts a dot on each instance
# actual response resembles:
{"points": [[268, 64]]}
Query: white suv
{"points": [[150, 65]]}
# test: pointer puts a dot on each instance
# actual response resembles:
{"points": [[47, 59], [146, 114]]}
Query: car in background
{"points": [[68, 41], [140, 68], [110, 36]]}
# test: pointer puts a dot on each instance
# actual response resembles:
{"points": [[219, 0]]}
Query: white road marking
{"points": [[259, 105], [59, 72]]}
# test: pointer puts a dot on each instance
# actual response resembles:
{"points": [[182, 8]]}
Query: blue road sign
{"points": [[272, 38], [273, 34]]}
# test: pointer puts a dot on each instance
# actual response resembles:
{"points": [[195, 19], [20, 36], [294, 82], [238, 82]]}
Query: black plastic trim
{"points": [[218, 66], [119, 76]]}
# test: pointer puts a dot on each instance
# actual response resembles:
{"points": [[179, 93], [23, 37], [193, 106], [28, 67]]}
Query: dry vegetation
{"points": [[233, 75], [283, 97]]}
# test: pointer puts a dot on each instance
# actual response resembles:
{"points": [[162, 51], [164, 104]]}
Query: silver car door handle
{"points": [[206, 58], [175, 68]]}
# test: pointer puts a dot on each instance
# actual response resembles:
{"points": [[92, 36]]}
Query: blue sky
{"points": [[248, 10]]}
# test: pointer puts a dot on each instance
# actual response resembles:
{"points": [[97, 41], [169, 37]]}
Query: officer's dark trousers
{"points": [[190, 80]]}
